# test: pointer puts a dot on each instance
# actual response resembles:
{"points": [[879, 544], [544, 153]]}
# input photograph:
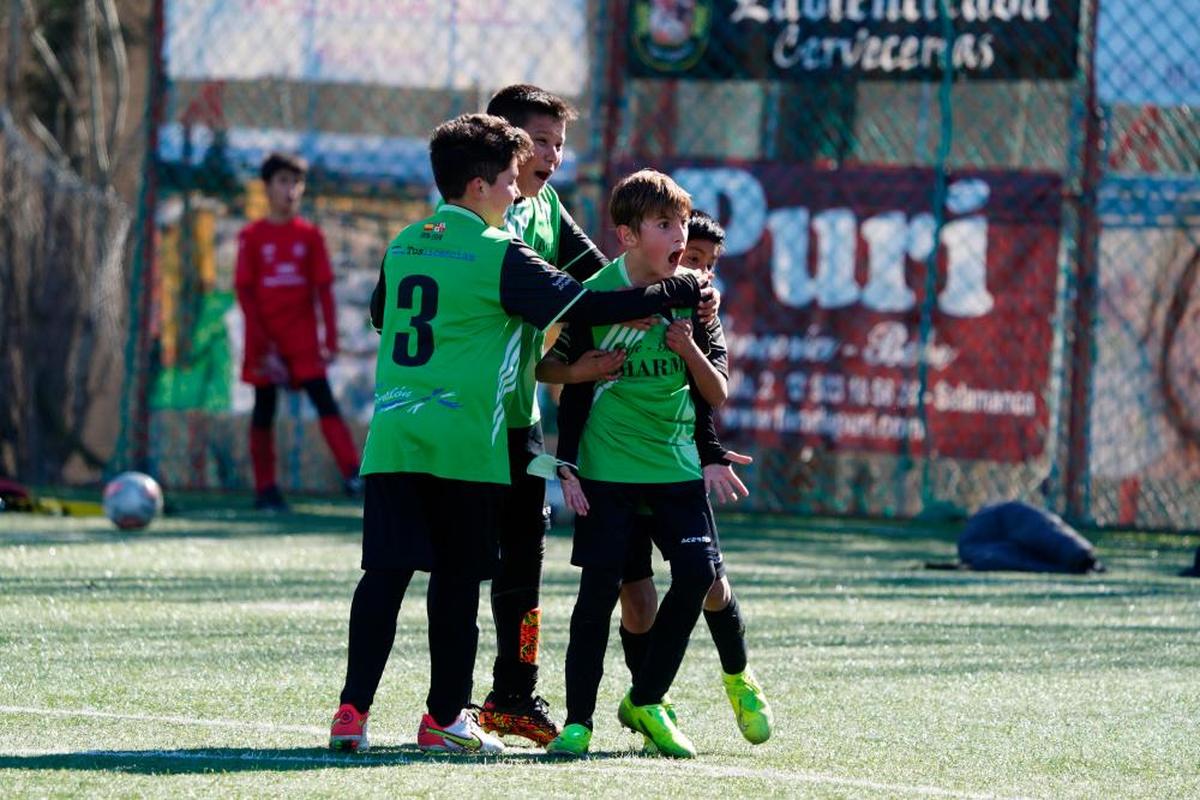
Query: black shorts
{"points": [[639, 553], [414, 521], [680, 518], [525, 511]]}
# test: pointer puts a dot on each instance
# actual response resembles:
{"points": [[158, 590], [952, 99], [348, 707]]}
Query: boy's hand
{"points": [[573, 491], [596, 365], [723, 484], [721, 480], [274, 368], [679, 337], [738, 458], [709, 307], [643, 324]]}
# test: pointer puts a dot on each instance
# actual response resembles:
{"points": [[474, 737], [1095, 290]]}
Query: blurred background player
{"points": [[283, 273], [453, 292], [639, 599]]}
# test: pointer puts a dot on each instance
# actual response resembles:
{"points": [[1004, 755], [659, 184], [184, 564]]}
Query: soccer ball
{"points": [[132, 500]]}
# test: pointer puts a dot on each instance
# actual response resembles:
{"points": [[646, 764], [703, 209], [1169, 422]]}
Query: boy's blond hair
{"points": [[644, 194]]}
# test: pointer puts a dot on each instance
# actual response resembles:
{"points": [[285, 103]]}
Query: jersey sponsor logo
{"points": [[562, 281], [696, 540], [285, 273], [401, 398], [431, 230], [671, 36], [652, 367], [431, 252]]}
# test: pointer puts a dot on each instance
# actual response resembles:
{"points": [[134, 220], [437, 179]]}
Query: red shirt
{"points": [[283, 269]]}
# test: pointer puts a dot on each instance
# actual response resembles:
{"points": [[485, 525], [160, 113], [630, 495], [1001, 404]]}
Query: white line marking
{"points": [[632, 764], [206, 723]]}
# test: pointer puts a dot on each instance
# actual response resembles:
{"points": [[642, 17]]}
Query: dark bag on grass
{"points": [[1018, 536]]}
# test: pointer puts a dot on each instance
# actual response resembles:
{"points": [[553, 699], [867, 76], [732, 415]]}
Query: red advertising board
{"points": [[824, 281]]}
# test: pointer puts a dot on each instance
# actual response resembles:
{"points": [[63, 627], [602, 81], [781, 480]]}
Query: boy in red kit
{"points": [[283, 272]]}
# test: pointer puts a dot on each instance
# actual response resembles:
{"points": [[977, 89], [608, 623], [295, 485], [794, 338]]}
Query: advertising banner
{"points": [[858, 39], [824, 279]]}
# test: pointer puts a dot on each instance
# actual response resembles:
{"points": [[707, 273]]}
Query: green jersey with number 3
{"points": [[448, 353]]}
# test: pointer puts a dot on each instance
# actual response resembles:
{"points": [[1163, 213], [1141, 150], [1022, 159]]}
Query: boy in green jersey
{"points": [[539, 219], [453, 292], [637, 448], [722, 613]]}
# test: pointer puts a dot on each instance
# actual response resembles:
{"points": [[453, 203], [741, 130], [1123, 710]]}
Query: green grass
{"points": [[204, 658]]}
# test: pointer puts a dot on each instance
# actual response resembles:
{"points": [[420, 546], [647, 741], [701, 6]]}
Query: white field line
{"points": [[368, 759], [200, 723]]}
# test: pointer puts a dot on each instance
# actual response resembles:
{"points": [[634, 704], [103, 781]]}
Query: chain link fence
{"points": [[962, 234]]}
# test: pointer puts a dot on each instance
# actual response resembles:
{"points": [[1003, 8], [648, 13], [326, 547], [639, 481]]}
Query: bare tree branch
{"points": [[96, 91], [120, 60], [53, 65], [43, 135]]}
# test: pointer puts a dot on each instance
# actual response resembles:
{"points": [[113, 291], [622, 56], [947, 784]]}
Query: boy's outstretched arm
{"points": [[542, 295]]}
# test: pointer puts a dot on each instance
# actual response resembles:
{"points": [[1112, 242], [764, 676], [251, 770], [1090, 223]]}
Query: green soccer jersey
{"points": [[448, 354], [641, 426], [534, 220]]}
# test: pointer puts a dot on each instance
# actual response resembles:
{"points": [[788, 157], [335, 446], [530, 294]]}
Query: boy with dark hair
{"points": [[453, 291], [538, 218], [639, 600], [636, 448], [282, 272]]}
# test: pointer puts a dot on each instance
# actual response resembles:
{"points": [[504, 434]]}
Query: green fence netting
{"points": [[962, 234]]}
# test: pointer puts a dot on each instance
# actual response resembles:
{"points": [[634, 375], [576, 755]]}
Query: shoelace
{"points": [[540, 706]]}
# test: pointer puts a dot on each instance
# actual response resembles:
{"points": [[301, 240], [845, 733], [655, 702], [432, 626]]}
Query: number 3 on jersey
{"points": [[414, 345]]}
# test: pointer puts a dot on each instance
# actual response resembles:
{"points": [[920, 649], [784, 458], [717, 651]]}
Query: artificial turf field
{"points": [[204, 656]]}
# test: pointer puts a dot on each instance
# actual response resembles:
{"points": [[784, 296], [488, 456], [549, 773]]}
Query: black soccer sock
{"points": [[729, 635], [372, 631], [516, 588], [598, 592], [635, 646], [691, 577], [452, 605]]}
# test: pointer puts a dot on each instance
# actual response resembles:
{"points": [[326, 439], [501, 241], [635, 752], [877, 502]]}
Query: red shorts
{"points": [[301, 360]]}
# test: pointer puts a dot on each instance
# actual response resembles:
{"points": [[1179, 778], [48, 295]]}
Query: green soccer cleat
{"points": [[573, 741], [627, 721], [750, 707], [670, 707], [653, 722]]}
